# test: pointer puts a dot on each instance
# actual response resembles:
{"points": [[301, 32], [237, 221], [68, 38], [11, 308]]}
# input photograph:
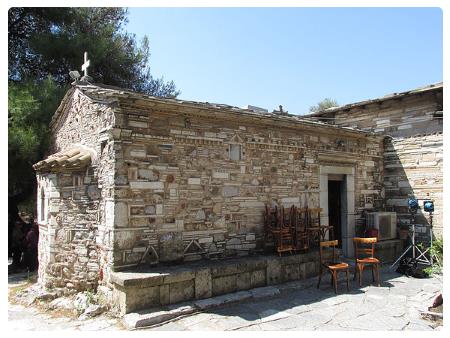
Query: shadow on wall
{"points": [[400, 167]]}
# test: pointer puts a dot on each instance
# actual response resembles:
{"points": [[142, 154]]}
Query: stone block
{"points": [[249, 246], [53, 208], [218, 237], [194, 181], [243, 281], [203, 287], [257, 263], [292, 259], [120, 214], [302, 271], [252, 204], [225, 284], [138, 153], [181, 291], [171, 246], [205, 240], [290, 200], [250, 237], [55, 194], [179, 276], [310, 269], [148, 174], [218, 174], [164, 293], [200, 215], [291, 272], [137, 124], [258, 278], [139, 299], [159, 209], [230, 191], [146, 185], [273, 272], [224, 269], [125, 239]]}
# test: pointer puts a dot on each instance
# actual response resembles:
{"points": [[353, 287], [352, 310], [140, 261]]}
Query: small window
{"points": [[77, 180], [235, 152]]}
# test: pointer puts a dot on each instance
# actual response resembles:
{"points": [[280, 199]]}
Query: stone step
{"points": [[156, 316]]}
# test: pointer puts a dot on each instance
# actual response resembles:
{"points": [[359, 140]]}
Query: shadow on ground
{"points": [[302, 294]]}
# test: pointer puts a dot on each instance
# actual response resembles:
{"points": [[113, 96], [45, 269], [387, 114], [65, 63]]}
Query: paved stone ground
{"points": [[300, 306]]}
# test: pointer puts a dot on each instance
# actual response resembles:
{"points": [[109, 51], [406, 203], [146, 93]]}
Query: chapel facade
{"points": [[139, 180]]}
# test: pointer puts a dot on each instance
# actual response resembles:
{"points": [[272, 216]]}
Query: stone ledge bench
{"points": [[164, 285]]}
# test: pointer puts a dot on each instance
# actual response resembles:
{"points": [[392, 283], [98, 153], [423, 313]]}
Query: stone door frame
{"points": [[348, 203]]}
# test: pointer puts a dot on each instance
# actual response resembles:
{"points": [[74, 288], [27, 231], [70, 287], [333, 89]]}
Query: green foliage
{"points": [[51, 41], [44, 44], [30, 107], [91, 296], [324, 104], [437, 252]]}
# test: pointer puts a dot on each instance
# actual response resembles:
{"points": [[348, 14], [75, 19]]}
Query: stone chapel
{"points": [[139, 180]]}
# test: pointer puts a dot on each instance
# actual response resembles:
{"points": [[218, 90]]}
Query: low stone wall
{"points": [[134, 291]]}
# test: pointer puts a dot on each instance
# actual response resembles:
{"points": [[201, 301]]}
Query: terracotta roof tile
{"points": [[73, 158]]}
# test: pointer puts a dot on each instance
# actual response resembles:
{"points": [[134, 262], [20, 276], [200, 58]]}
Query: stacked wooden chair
{"points": [[318, 232], [278, 228], [294, 229], [301, 236]]}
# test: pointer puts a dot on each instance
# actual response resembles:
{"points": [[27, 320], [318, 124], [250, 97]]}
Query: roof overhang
{"points": [[75, 158]]}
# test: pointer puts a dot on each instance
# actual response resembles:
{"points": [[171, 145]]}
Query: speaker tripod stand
{"points": [[421, 258]]}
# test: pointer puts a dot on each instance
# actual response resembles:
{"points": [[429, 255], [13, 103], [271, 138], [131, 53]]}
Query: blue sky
{"points": [[291, 56]]}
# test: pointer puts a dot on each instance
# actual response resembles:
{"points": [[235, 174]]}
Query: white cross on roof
{"points": [[86, 64]]}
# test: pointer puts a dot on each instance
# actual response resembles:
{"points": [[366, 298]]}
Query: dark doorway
{"points": [[334, 209]]}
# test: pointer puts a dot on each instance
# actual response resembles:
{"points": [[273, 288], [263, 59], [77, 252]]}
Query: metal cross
{"points": [[86, 64]]}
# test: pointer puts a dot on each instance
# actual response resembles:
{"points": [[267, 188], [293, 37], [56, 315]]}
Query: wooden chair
{"points": [[330, 263], [364, 255], [278, 228], [283, 234], [314, 217], [301, 238], [316, 231], [270, 223]]}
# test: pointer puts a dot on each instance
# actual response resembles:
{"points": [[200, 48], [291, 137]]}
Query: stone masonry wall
{"points": [[413, 152], [179, 196], [74, 244], [67, 248], [414, 165]]}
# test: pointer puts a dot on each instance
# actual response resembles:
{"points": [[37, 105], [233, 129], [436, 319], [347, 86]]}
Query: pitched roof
{"points": [[109, 94], [431, 87], [73, 158]]}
